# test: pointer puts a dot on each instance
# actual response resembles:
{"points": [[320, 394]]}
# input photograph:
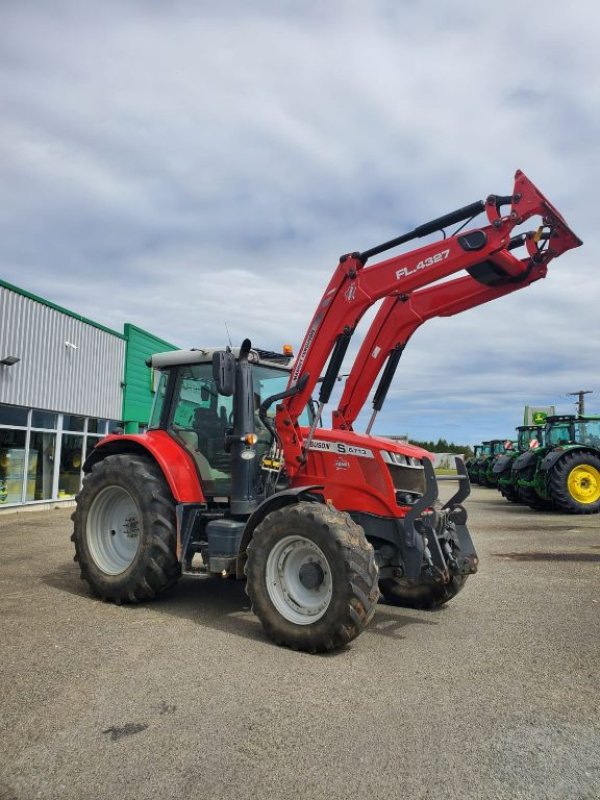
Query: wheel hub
{"points": [[584, 484], [112, 530], [298, 580], [311, 575]]}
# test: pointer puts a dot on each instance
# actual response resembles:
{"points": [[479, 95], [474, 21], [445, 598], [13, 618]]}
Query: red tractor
{"points": [[236, 476]]}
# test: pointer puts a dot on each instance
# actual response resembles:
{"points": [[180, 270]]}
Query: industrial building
{"points": [[65, 381]]}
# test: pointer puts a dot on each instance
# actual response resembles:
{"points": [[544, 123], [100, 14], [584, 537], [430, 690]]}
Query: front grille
{"points": [[407, 480]]}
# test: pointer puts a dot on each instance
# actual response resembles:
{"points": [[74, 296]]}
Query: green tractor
{"points": [[529, 437], [489, 451], [565, 473], [501, 449], [482, 452], [470, 462]]}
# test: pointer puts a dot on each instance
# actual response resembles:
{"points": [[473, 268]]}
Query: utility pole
{"points": [[580, 402]]}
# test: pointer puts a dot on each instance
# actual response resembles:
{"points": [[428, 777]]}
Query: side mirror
{"points": [[224, 372]]}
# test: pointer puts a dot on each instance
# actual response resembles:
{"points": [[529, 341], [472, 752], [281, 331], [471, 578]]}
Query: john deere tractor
{"points": [[529, 437], [499, 450], [489, 450], [568, 475], [471, 462], [525, 468]]}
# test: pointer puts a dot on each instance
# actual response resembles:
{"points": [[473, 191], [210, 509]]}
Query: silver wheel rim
{"points": [[295, 601], [112, 530]]}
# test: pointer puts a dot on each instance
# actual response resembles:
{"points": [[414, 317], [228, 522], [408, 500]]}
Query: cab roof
{"points": [[204, 355]]}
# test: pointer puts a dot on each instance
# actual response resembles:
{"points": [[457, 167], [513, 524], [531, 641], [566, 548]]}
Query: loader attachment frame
{"points": [[485, 253]]}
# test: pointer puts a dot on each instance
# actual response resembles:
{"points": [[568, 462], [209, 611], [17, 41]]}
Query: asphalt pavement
{"points": [[497, 695]]}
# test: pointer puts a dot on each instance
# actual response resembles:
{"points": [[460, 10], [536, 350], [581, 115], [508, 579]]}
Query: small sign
{"points": [[536, 415]]}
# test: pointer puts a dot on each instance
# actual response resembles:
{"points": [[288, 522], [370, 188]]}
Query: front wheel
{"points": [[529, 496], [400, 592], [124, 530], [311, 577], [574, 483]]}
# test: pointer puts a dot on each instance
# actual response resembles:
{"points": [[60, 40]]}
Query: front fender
{"points": [[176, 464], [525, 460], [502, 463]]}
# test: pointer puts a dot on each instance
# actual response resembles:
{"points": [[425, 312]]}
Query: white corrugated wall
{"points": [[85, 379]]}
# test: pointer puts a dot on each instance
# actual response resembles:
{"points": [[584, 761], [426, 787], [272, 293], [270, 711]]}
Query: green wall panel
{"points": [[138, 390]]}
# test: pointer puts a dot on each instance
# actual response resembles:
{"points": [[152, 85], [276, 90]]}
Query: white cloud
{"points": [[181, 165]]}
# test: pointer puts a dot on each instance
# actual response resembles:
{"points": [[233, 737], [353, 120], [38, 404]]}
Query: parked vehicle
{"points": [[500, 447], [471, 462], [567, 474], [529, 437], [318, 520]]}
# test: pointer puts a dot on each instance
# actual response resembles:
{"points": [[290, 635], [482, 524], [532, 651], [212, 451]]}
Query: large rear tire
{"points": [[124, 530], [311, 577], [398, 592], [574, 482]]}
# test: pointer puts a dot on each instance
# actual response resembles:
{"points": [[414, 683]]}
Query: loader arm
{"points": [[355, 287], [396, 321]]}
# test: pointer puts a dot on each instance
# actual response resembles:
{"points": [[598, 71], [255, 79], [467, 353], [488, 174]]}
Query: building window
{"points": [[43, 419], [73, 423], [69, 477], [29, 468], [12, 465], [13, 415], [40, 466]]}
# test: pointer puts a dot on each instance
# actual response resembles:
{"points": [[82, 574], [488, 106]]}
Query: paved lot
{"points": [[495, 696]]}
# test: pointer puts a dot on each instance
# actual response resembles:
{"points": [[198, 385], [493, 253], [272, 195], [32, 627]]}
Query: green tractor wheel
{"points": [[574, 482], [529, 496], [509, 493]]}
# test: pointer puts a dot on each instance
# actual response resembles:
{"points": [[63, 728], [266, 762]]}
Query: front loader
{"points": [[238, 475]]}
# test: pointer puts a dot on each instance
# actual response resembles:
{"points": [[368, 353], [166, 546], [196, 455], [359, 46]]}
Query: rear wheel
{"points": [[124, 530], [311, 577], [574, 482]]}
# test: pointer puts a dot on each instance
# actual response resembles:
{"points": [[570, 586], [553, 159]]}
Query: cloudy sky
{"points": [[184, 165]]}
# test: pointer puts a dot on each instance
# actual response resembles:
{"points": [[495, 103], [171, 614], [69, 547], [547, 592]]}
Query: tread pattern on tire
{"points": [[424, 597], [558, 486], [357, 599], [155, 567]]}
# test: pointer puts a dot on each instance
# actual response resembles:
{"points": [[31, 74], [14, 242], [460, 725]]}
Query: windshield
{"points": [[529, 435], [558, 433], [588, 432], [268, 381]]}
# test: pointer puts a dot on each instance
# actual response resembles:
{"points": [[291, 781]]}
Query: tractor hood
{"points": [[356, 444]]}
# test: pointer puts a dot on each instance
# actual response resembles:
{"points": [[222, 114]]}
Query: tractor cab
{"points": [[529, 437], [568, 430], [218, 424]]}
